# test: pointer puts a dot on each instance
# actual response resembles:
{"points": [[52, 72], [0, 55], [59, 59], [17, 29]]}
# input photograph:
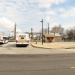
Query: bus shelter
{"points": [[48, 38]]}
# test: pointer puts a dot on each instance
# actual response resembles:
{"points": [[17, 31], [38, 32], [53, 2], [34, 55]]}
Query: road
{"points": [[12, 49], [48, 64]]}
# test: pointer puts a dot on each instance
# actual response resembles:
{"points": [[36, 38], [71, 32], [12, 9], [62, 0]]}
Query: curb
{"points": [[52, 48], [40, 47]]}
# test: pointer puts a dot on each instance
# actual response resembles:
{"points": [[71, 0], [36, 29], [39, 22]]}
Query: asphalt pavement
{"points": [[36, 61], [48, 64], [11, 48]]}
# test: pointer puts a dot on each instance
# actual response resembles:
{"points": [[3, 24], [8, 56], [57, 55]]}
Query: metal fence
{"points": [[68, 40]]}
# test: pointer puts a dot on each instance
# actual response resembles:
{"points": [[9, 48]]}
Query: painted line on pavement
{"points": [[72, 67]]}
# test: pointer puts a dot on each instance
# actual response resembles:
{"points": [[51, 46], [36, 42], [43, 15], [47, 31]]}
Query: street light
{"points": [[42, 31]]}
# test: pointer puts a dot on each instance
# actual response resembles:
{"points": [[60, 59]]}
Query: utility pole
{"points": [[42, 31], [9, 35], [48, 28], [15, 31], [31, 34]]}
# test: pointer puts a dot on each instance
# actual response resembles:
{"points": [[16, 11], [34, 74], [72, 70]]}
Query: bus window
{"points": [[22, 37]]}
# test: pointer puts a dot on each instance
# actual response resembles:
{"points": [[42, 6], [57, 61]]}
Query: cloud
{"points": [[26, 11], [7, 24], [50, 13], [68, 26], [65, 26], [18, 30], [68, 13], [53, 24], [49, 19], [47, 3], [36, 28], [61, 9]]}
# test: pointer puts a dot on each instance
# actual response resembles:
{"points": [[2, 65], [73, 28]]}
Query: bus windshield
{"points": [[5, 38], [22, 36]]}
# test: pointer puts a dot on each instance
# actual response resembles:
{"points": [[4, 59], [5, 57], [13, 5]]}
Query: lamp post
{"points": [[42, 31]]}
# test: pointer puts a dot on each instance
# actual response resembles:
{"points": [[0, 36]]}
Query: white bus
{"points": [[22, 39], [3, 39]]}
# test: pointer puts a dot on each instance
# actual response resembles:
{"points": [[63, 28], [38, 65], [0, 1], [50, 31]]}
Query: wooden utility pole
{"points": [[48, 28], [15, 31]]}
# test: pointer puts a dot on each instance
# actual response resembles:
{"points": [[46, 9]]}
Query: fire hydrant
{"points": [[36, 41]]}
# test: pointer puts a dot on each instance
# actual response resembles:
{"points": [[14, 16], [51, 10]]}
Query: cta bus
{"points": [[3, 39], [22, 39]]}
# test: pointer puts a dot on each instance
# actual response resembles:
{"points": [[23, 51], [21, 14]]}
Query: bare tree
{"points": [[70, 33], [45, 31], [58, 29], [73, 30]]}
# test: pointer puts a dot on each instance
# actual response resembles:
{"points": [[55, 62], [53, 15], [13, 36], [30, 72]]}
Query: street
{"points": [[48, 64], [12, 49], [28, 60]]}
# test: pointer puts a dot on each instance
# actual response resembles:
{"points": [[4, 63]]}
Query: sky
{"points": [[27, 14]]}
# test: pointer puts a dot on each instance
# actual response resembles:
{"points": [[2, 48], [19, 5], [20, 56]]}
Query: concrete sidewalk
{"points": [[56, 45]]}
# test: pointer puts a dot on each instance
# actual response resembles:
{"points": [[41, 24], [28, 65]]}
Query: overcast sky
{"points": [[27, 14]]}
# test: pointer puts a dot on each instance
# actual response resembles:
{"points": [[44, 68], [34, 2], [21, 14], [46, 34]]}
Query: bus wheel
{"points": [[16, 45]]}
